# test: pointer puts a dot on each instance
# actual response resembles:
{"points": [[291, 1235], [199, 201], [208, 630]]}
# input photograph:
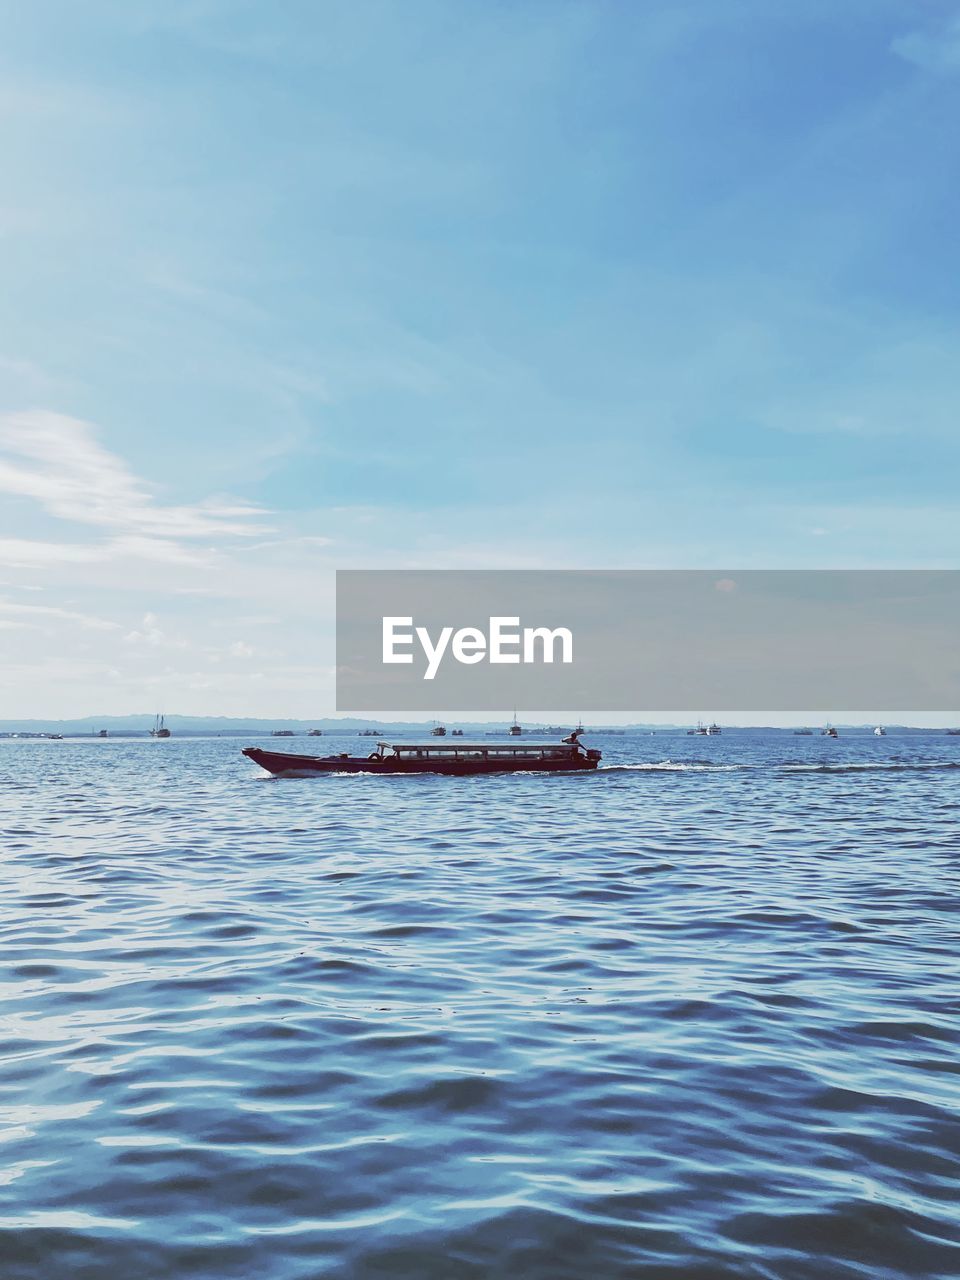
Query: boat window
{"points": [[495, 751]]}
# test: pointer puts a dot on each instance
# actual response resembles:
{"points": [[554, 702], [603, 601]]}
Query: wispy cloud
{"points": [[305, 540], [150, 633], [14, 614], [58, 462], [30, 553], [935, 49]]}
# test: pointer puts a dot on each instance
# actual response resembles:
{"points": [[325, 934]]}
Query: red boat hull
{"points": [[282, 763]]}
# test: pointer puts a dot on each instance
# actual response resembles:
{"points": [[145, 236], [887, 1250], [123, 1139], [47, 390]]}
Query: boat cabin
{"points": [[527, 751]]}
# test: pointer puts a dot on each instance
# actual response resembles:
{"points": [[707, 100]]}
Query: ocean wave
{"points": [[696, 1022], [869, 766]]}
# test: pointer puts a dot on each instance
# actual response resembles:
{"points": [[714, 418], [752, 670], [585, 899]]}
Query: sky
{"points": [[291, 288]]}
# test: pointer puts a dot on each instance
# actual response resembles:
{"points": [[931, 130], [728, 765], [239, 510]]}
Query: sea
{"points": [[691, 1017]]}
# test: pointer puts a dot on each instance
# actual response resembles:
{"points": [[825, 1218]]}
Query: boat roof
{"points": [[462, 745]]}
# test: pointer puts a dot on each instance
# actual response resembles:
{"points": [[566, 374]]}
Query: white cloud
{"points": [[27, 614], [306, 540], [150, 633], [57, 461], [29, 553], [158, 550]]}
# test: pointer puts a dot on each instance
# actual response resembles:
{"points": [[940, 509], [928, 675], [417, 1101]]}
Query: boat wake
{"points": [[675, 766], [704, 766]]}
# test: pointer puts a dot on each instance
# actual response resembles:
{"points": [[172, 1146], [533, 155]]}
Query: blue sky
{"points": [[292, 287]]}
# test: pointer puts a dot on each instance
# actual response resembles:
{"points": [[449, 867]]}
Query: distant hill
{"points": [[140, 725], [185, 725]]}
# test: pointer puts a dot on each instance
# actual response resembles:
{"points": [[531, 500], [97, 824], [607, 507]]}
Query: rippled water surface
{"points": [[693, 1016]]}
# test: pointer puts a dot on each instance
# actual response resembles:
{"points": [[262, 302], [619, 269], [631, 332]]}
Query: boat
{"points": [[438, 731], [713, 730], [102, 733], [159, 729], [464, 758], [879, 731], [953, 733], [456, 733], [704, 730], [315, 733], [829, 732], [370, 733], [282, 733], [803, 733], [515, 730]]}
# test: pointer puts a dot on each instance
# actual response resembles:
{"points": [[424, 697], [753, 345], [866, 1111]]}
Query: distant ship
{"points": [[803, 733], [159, 729], [515, 731], [704, 730], [953, 733], [282, 733], [315, 733], [438, 731], [879, 731], [456, 733], [102, 733], [829, 732]]}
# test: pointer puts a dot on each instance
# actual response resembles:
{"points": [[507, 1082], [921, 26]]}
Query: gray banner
{"points": [[648, 640]]}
